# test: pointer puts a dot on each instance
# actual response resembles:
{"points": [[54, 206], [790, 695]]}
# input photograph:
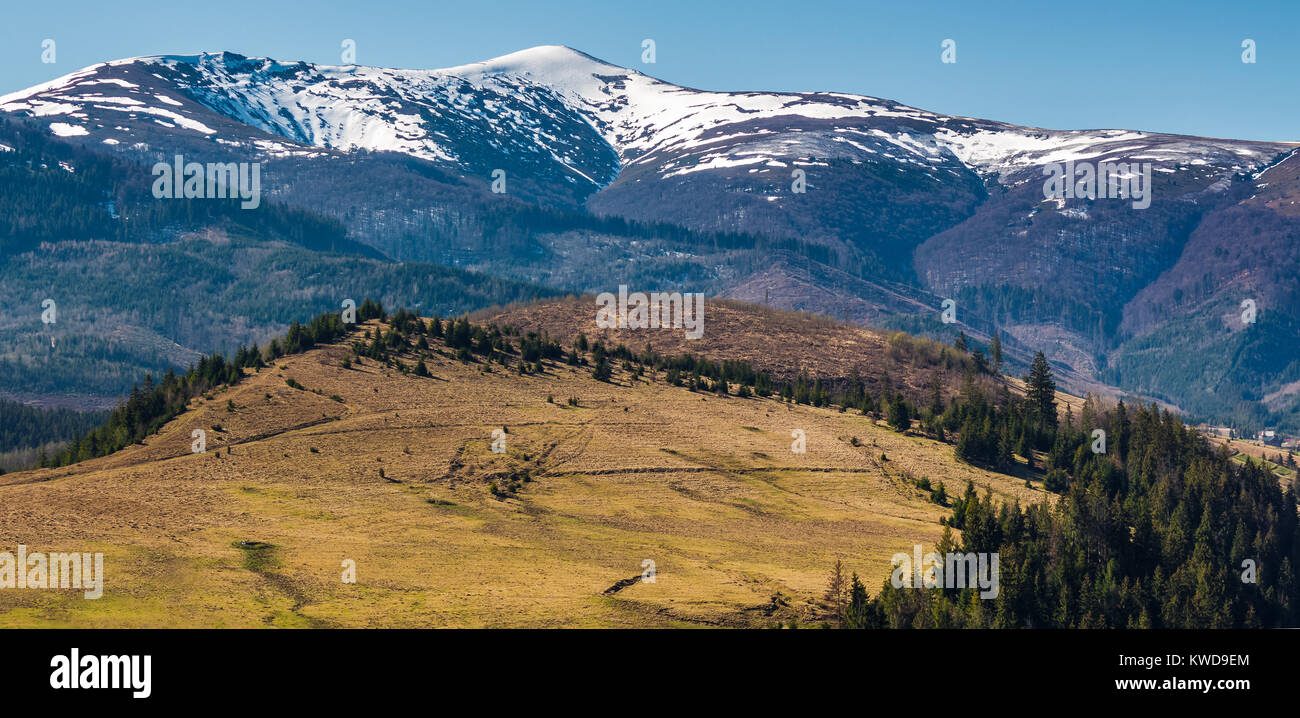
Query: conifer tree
{"points": [[859, 603], [900, 414], [601, 371], [837, 591], [936, 396], [1040, 390]]}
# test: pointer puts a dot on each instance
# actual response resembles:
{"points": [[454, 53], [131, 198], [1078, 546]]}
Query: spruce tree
{"points": [[936, 396], [837, 590], [900, 415], [859, 603], [602, 372], [1040, 390]]}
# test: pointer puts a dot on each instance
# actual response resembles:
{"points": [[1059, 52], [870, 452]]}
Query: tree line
{"points": [[152, 404], [1159, 530]]}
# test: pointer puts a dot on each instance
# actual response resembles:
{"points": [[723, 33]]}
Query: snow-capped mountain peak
{"points": [[557, 114], [558, 66]]}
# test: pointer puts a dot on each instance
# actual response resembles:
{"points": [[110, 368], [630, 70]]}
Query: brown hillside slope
{"points": [[780, 342], [783, 343], [399, 477]]}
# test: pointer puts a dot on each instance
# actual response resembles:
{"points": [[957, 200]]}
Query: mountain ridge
{"points": [[894, 195]]}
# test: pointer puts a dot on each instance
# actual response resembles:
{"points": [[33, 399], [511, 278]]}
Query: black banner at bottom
{"points": [[211, 668]]}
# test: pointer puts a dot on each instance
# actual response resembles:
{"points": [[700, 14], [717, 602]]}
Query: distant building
{"points": [[1270, 438]]}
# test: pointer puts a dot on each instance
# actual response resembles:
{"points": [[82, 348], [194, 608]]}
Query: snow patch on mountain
{"points": [[63, 129], [536, 105]]}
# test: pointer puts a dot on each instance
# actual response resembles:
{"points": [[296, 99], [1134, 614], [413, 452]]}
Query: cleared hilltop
{"points": [[371, 462]]}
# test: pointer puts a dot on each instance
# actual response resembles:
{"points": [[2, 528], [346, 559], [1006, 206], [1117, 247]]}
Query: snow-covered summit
{"points": [[563, 114]]}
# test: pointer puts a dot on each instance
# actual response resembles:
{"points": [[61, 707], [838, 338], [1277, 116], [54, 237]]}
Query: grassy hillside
{"points": [[395, 471]]}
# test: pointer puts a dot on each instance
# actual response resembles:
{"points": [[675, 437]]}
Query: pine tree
{"points": [[602, 372], [995, 350], [1004, 458], [858, 604], [900, 415], [940, 496], [1087, 415], [1025, 449], [1040, 390], [837, 591], [936, 397], [946, 543], [966, 443]]}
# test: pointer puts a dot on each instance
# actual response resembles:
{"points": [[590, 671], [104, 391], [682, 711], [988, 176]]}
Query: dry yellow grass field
{"points": [[398, 477]]}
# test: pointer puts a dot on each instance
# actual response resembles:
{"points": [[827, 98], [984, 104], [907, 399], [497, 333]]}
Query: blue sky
{"points": [[1155, 65]]}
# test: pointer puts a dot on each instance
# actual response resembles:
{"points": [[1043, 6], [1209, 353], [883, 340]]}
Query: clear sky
{"points": [[1159, 65]]}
